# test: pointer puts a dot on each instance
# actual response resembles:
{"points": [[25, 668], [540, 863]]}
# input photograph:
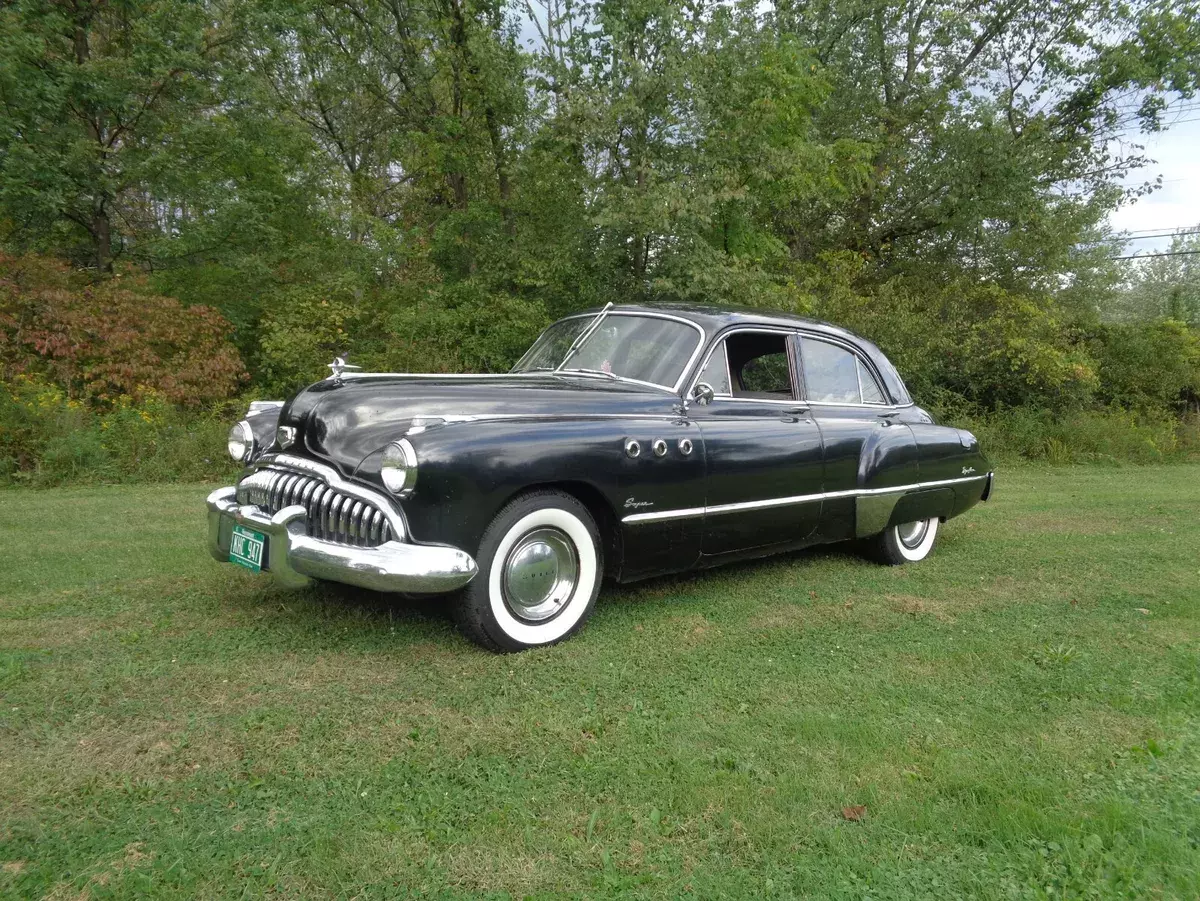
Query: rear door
{"points": [[866, 450], [763, 451]]}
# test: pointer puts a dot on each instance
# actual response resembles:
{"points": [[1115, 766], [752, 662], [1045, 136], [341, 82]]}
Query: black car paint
{"points": [[507, 434]]}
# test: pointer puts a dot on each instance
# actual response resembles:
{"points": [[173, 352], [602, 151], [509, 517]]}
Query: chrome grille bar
{"points": [[332, 515]]}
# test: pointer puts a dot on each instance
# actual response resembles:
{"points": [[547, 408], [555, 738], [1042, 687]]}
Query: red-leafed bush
{"points": [[113, 338]]}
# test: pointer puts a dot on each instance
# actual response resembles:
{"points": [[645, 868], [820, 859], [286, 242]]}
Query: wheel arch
{"points": [[593, 499]]}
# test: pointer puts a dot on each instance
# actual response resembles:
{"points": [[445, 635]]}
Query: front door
{"points": [[763, 452]]}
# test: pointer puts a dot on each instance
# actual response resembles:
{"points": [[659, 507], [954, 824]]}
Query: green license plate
{"points": [[247, 548]]}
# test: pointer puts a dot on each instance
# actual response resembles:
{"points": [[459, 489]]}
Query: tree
{"points": [[93, 94], [1162, 287]]}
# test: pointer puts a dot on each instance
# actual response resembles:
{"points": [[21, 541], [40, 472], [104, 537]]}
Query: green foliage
{"points": [[48, 439], [1150, 366], [958, 343], [305, 329], [423, 187], [1084, 436], [1164, 287]]}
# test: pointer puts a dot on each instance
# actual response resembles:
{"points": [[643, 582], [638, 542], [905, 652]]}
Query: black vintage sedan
{"points": [[628, 442]]}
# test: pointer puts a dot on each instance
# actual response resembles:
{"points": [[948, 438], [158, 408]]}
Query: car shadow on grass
{"points": [[667, 588], [429, 618]]}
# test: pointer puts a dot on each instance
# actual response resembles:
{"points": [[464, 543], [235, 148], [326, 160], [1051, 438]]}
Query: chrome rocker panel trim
{"points": [[874, 505], [293, 558]]}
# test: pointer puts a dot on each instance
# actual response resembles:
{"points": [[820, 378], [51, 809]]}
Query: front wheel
{"points": [[539, 574], [905, 543]]}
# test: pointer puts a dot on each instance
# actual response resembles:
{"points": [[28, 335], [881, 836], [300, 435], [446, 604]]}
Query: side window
{"points": [[835, 375], [716, 372], [758, 365], [871, 392]]}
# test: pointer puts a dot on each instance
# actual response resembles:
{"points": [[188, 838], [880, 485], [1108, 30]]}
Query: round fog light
{"points": [[399, 467], [241, 442]]}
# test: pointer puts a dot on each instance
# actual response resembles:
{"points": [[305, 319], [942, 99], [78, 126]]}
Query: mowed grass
{"points": [[1019, 716]]}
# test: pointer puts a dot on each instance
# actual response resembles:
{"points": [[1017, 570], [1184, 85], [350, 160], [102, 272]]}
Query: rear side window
{"points": [[834, 375]]}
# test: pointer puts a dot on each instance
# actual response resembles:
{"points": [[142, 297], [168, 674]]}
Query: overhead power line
{"points": [[1170, 253], [1161, 228], [1161, 235]]}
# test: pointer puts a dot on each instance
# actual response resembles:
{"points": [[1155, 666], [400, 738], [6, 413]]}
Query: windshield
{"points": [[625, 345]]}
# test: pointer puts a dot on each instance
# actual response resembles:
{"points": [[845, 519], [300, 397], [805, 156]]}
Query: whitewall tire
{"points": [[540, 567], [907, 543]]}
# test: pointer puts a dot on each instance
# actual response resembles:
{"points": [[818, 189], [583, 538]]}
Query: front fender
{"points": [[467, 471]]}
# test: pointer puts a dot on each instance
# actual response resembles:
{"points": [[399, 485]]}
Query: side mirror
{"points": [[703, 393]]}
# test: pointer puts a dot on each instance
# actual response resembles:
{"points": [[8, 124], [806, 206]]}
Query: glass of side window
{"points": [[834, 375], [716, 372]]}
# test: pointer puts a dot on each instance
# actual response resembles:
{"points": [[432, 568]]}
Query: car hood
{"points": [[346, 421]]}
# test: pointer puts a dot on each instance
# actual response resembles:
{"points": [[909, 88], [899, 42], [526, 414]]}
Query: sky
{"points": [[1176, 156]]}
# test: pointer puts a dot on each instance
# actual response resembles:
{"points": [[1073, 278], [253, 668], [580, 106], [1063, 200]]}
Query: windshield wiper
{"points": [[585, 334], [609, 375]]}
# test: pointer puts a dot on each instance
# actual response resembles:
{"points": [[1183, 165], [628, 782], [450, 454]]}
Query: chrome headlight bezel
{"points": [[241, 443], [398, 469]]}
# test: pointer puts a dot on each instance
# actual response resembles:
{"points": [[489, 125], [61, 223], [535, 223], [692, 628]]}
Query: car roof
{"points": [[713, 319]]}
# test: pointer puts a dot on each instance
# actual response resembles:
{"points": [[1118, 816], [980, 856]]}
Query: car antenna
{"points": [[584, 335]]}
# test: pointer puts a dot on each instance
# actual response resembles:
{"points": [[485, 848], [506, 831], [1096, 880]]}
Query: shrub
{"points": [[306, 328], [459, 327], [1084, 436], [104, 340], [48, 439], [959, 343], [1148, 365]]}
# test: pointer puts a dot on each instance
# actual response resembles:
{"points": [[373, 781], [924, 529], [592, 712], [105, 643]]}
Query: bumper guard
{"points": [[294, 557]]}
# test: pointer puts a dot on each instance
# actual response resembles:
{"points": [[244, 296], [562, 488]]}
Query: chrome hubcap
{"points": [[913, 533], [540, 573]]}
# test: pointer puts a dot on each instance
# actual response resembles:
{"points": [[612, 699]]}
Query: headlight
{"points": [[399, 467], [241, 442]]}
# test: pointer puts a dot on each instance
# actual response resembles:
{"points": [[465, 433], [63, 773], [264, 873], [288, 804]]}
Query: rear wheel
{"points": [[907, 543], [539, 574]]}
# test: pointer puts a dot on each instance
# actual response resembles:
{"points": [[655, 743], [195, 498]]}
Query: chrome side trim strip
{"points": [[573, 373], [717, 509], [686, 513]]}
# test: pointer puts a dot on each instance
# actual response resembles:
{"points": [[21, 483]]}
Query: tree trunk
{"points": [[102, 239]]}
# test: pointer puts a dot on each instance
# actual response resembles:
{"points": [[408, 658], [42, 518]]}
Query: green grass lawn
{"points": [[1019, 716]]}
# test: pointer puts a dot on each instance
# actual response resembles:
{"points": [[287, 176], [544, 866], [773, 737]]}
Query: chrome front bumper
{"points": [[294, 557]]}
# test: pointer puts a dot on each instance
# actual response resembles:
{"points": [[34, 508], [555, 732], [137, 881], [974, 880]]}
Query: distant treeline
{"points": [[251, 186]]}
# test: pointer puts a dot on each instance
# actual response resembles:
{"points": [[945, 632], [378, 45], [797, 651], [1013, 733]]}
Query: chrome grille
{"points": [[332, 515]]}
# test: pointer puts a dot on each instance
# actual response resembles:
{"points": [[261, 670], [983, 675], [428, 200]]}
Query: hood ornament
{"points": [[337, 367]]}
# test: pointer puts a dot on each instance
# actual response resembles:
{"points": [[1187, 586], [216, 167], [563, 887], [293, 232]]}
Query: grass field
{"points": [[1019, 716]]}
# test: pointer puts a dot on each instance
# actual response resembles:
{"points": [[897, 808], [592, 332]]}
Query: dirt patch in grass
{"points": [[133, 857], [910, 605], [478, 869], [114, 753], [690, 629], [62, 632], [806, 616], [1098, 732]]}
